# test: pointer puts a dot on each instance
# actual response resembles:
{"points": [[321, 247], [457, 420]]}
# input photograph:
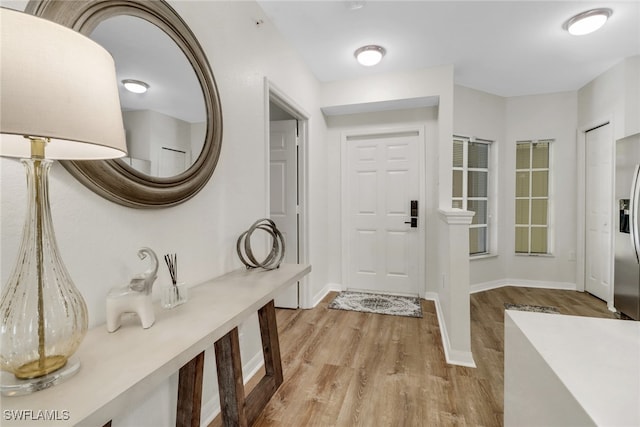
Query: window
{"points": [[532, 197], [471, 188]]}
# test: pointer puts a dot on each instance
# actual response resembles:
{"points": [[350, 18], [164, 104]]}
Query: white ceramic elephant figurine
{"points": [[135, 297]]}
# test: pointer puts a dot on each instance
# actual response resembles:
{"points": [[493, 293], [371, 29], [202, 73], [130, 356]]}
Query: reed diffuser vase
{"points": [[176, 293]]}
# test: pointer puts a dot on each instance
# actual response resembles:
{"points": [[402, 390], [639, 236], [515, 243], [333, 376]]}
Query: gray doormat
{"points": [[377, 303], [534, 308]]}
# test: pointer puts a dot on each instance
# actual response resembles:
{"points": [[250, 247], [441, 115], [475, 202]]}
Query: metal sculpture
{"points": [[274, 257]]}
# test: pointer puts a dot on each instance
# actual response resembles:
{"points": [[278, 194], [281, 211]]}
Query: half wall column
{"points": [[453, 292]]}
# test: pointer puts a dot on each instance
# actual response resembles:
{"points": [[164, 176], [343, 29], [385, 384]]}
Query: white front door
{"points": [[381, 178], [599, 202], [283, 177]]}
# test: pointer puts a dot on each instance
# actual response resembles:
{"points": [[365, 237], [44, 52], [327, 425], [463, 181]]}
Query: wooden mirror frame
{"points": [[114, 179]]}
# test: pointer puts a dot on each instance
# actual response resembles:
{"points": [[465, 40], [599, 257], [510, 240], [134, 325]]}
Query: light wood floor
{"points": [[355, 369]]}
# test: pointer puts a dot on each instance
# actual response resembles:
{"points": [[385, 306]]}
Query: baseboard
{"points": [[453, 357], [329, 287], [431, 296], [495, 284], [211, 408], [487, 286]]}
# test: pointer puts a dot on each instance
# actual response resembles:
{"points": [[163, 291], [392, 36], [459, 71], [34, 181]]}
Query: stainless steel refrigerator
{"points": [[626, 285]]}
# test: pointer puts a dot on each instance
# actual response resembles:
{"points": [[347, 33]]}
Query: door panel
{"points": [[366, 192], [599, 202], [284, 195], [382, 177], [397, 255], [397, 186], [365, 245]]}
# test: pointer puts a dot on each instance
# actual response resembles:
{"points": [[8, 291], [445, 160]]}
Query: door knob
{"points": [[413, 222]]}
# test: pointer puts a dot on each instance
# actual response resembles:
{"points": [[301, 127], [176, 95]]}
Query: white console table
{"points": [[570, 371], [120, 368]]}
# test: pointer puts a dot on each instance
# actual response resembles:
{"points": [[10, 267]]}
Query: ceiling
{"points": [[508, 48]]}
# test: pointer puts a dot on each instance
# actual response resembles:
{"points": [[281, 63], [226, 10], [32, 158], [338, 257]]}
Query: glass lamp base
{"points": [[12, 386]]}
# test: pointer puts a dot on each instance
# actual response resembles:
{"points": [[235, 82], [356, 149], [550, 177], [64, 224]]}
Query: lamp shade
{"points": [[56, 83]]}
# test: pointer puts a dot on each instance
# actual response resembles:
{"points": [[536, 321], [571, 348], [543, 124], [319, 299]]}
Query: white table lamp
{"points": [[58, 100]]}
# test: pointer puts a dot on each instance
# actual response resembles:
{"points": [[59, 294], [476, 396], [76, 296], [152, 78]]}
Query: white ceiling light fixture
{"points": [[587, 22], [135, 86], [369, 55]]}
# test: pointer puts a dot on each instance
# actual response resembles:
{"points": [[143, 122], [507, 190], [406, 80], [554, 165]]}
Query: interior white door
{"points": [[381, 178], [599, 205], [284, 195]]}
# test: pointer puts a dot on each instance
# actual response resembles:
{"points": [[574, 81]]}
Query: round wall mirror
{"points": [[174, 129]]}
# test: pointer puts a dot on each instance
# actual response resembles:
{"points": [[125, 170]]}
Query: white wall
{"points": [[505, 121], [99, 239], [483, 115], [615, 96], [149, 131], [138, 131], [552, 116]]}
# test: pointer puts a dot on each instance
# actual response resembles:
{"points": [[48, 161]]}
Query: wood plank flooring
{"points": [[346, 368]]}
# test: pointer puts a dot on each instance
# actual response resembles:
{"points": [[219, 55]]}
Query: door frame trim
{"points": [[422, 188], [581, 217], [273, 94]]}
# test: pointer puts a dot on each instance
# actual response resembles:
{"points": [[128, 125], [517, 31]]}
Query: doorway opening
{"points": [[287, 135]]}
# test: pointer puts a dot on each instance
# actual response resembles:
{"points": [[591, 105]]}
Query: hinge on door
{"points": [[297, 209]]}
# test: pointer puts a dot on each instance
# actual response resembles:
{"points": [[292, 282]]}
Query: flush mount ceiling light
{"points": [[369, 55], [587, 22], [135, 86]]}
